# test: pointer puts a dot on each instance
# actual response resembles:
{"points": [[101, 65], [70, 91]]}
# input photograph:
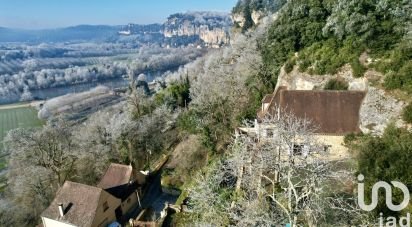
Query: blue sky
{"points": [[35, 14]]}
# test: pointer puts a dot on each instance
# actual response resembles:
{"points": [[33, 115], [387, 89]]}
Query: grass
{"points": [[3, 163], [12, 118], [22, 117]]}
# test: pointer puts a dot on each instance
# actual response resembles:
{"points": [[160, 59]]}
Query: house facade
{"points": [[332, 114], [124, 183]]}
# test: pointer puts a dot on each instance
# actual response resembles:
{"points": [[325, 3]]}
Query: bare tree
{"points": [[51, 147], [281, 178]]}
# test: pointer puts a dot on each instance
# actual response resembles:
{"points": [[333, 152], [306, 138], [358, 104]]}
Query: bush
{"points": [[358, 69], [392, 81], [400, 79], [188, 121], [349, 138], [407, 113], [289, 65], [175, 95], [336, 84]]}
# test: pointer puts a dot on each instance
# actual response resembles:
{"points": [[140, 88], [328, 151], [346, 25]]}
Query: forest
{"points": [[29, 68]]}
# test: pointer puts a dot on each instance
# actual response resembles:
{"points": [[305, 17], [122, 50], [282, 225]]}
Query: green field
{"points": [[23, 117], [11, 118]]}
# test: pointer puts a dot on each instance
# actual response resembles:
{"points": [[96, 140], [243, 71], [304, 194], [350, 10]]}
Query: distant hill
{"points": [[197, 28], [192, 28], [75, 33]]}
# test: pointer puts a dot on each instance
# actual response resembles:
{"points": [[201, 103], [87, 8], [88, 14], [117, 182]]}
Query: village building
{"points": [[80, 205], [124, 183], [333, 114], [75, 204]]}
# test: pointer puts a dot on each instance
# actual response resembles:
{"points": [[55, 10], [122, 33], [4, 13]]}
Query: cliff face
{"points": [[196, 28], [250, 12], [210, 28], [255, 16]]}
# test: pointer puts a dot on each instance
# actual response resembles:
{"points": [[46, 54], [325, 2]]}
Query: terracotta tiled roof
{"points": [[332, 112], [80, 203], [116, 175]]}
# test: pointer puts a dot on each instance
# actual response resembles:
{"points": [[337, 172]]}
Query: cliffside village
{"points": [[122, 189]]}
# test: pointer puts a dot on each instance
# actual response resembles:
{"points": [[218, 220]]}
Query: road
{"points": [[154, 197], [20, 105]]}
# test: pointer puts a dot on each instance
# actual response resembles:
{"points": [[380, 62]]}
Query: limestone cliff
{"points": [[251, 12], [211, 28]]}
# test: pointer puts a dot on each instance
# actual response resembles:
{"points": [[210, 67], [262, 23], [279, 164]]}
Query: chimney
{"points": [[61, 211]]}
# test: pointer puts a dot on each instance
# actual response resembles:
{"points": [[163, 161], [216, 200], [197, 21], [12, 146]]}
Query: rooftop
{"points": [[80, 203], [332, 112], [116, 175]]}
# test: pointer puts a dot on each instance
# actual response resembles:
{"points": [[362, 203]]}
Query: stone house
{"points": [[80, 205], [75, 204], [124, 183], [333, 114]]}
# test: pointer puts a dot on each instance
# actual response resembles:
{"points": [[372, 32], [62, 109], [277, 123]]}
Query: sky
{"points": [[38, 14]]}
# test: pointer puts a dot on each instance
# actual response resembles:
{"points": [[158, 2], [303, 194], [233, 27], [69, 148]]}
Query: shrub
{"points": [[188, 121], [358, 69], [349, 138], [289, 65], [175, 95], [392, 81], [400, 79], [407, 113], [336, 84]]}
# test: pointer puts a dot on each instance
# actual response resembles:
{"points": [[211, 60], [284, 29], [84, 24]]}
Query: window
{"points": [[297, 149], [326, 148], [301, 150], [105, 206]]}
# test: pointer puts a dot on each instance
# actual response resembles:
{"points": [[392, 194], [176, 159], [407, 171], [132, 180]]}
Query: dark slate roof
{"points": [[116, 175], [80, 203], [123, 191], [332, 112]]}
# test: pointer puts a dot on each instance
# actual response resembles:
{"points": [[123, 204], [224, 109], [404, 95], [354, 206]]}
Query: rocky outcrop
{"points": [[297, 80], [239, 19], [378, 110], [247, 12], [257, 16], [211, 28]]}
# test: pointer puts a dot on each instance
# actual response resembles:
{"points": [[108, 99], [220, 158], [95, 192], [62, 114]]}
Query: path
{"points": [[20, 105]]}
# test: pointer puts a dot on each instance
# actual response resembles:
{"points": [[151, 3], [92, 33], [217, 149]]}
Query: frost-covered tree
{"points": [[285, 178], [26, 95]]}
